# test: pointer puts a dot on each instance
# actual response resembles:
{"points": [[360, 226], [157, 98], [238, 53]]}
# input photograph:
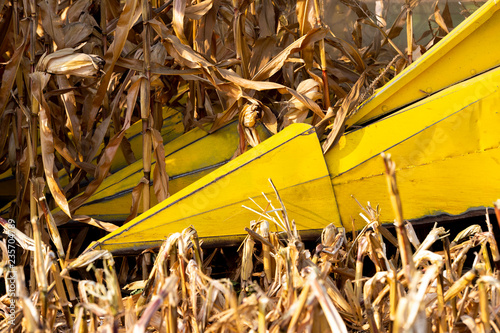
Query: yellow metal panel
{"points": [[116, 205], [171, 129], [471, 48], [293, 160], [451, 186], [446, 149], [187, 159]]}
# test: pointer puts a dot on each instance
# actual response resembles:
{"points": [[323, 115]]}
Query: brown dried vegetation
{"points": [[77, 74], [278, 286]]}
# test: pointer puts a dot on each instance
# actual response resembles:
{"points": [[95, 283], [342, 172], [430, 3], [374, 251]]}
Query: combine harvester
{"points": [[439, 119]]}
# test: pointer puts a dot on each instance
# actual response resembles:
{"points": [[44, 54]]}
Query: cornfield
{"points": [[278, 286], [78, 75]]}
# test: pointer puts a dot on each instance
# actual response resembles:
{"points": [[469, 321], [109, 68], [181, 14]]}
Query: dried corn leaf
{"points": [[108, 153], [75, 10], [348, 105], [76, 33], [40, 80], [86, 259], [279, 60], [264, 85], [197, 11], [443, 20], [160, 176], [69, 101], [266, 19], [307, 18], [262, 52], [9, 75], [203, 41], [51, 22], [130, 11], [109, 227], [179, 8], [24, 241], [184, 54], [334, 319], [297, 111]]}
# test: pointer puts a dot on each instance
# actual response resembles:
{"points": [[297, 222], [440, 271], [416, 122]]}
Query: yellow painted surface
{"points": [[445, 144], [171, 129], [452, 186], [292, 159], [471, 48], [187, 159], [446, 150]]}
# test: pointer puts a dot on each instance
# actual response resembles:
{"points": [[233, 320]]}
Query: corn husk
{"points": [[70, 62]]}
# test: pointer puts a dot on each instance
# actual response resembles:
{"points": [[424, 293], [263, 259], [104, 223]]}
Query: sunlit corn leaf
{"points": [[167, 292], [198, 10], [38, 189], [24, 241], [334, 319], [294, 110], [69, 101], [443, 20], [467, 233], [31, 315], [184, 54], [262, 52], [301, 98], [411, 315], [107, 226], [346, 108], [278, 61], [435, 234], [107, 155], [86, 259], [307, 19], [179, 8], [460, 285], [47, 142]]}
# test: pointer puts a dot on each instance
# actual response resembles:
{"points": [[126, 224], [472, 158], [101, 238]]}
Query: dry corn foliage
{"points": [[279, 285], [78, 73]]}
